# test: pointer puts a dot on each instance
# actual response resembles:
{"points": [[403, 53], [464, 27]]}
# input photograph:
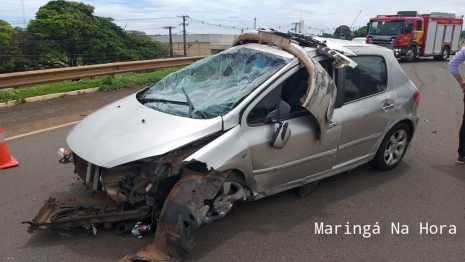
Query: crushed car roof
{"points": [[320, 96]]}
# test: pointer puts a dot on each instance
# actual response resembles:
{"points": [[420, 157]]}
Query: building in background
{"points": [[197, 44]]}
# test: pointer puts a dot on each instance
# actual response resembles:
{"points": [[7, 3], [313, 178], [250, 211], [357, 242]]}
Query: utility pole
{"points": [[24, 15], [184, 31], [255, 23], [295, 26], [171, 40]]}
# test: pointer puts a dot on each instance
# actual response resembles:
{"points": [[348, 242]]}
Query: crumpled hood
{"points": [[126, 131]]}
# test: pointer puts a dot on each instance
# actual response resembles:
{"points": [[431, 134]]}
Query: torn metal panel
{"points": [[66, 214], [320, 97], [181, 216], [340, 60]]}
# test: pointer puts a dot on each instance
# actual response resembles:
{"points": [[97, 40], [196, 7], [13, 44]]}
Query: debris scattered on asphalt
{"points": [[426, 120], [434, 132], [140, 229], [143, 120]]}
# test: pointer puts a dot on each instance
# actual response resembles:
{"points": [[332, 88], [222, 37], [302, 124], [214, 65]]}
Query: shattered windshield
{"points": [[386, 27], [215, 85]]}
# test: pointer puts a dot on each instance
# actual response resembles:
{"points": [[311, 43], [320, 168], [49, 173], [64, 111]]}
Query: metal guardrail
{"points": [[30, 78]]}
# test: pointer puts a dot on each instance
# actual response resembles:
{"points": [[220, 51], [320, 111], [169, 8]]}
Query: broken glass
{"points": [[214, 85]]}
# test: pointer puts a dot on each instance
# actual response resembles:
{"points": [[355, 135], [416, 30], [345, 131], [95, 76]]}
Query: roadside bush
{"points": [[12, 95]]}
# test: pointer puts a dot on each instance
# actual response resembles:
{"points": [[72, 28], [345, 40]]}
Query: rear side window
{"points": [[368, 78]]}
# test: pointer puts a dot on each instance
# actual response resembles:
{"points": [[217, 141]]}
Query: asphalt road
{"points": [[427, 187]]}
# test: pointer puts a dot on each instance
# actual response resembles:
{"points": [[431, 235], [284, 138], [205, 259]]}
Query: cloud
{"points": [[278, 14]]}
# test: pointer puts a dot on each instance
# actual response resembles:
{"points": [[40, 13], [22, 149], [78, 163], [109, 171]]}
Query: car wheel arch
{"points": [[407, 126], [411, 130]]}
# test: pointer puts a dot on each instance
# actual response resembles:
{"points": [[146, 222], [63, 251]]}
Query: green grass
{"points": [[104, 83]]}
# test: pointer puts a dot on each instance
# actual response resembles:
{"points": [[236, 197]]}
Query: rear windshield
{"points": [[213, 86]]}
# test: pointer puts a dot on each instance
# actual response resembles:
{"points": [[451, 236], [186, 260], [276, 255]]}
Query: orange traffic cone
{"points": [[6, 160]]}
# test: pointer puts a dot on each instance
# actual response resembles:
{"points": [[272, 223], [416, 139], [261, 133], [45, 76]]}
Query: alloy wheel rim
{"points": [[410, 54], [229, 193], [395, 148]]}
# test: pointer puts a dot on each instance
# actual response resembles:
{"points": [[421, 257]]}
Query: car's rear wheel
{"points": [[231, 191], [392, 148]]}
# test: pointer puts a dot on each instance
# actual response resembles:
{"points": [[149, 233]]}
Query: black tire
{"points": [[386, 158], [411, 54], [304, 190], [444, 54], [237, 183]]}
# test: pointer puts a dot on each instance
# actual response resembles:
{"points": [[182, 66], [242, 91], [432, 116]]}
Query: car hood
{"points": [[126, 131]]}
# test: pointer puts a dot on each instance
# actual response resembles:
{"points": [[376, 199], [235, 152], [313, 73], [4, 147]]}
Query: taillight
{"points": [[416, 97], [368, 40]]}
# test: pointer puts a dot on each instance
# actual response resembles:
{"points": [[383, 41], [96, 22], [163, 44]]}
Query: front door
{"points": [[304, 154]]}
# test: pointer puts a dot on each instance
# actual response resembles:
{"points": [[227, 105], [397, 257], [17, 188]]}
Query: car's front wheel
{"points": [[392, 148], [231, 191]]}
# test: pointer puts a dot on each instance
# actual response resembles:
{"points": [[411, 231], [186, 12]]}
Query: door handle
{"points": [[387, 106], [333, 124]]}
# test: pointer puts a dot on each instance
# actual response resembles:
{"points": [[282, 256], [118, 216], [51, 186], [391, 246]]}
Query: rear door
{"points": [[367, 108]]}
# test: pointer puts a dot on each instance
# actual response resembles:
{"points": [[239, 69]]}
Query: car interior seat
{"points": [[294, 101]]}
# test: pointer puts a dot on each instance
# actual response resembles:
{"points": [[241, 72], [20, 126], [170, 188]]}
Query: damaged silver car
{"points": [[276, 111]]}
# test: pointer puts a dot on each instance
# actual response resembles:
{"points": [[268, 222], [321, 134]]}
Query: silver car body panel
{"points": [[126, 131], [229, 151]]}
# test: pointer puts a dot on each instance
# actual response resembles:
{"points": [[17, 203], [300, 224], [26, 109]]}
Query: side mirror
{"points": [[281, 136], [272, 117]]}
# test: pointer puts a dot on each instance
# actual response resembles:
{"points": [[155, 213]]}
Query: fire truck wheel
{"points": [[445, 53], [411, 54]]}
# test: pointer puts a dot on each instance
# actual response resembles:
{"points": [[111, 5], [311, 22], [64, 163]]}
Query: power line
{"points": [[149, 18], [213, 24]]}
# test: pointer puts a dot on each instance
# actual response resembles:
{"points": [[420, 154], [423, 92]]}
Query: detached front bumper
{"points": [[80, 212]]}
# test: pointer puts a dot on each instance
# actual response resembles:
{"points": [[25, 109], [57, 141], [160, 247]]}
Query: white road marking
{"points": [[40, 131]]}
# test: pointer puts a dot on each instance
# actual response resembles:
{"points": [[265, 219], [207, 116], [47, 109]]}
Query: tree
{"points": [[65, 25], [361, 32], [8, 49], [328, 35], [342, 31], [69, 32], [143, 47]]}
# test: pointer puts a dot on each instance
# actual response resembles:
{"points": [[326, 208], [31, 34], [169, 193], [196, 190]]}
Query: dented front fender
{"points": [[181, 216]]}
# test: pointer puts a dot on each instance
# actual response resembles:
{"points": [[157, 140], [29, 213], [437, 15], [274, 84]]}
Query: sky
{"points": [[205, 17]]}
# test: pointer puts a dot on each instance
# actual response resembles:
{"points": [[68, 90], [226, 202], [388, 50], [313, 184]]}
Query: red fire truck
{"points": [[411, 35]]}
